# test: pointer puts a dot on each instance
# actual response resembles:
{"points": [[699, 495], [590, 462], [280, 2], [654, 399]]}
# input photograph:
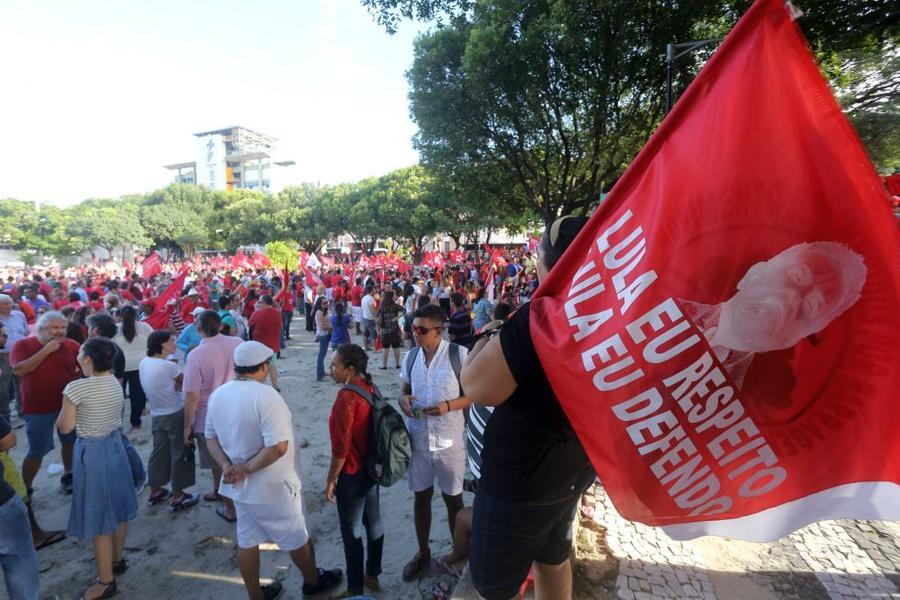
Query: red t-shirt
{"points": [[42, 389], [348, 425], [286, 299], [356, 294], [266, 324]]}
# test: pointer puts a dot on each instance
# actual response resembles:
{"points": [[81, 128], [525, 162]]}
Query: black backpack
{"points": [[390, 449]]}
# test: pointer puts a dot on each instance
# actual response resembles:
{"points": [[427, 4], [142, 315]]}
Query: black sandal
{"points": [[108, 592], [120, 567]]}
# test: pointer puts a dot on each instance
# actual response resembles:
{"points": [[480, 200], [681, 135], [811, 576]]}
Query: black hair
{"points": [[224, 301], [266, 299], [339, 309], [432, 313], [74, 297], [457, 299], [81, 314], [238, 370], [480, 293], [94, 295], [209, 323], [502, 311], [129, 317], [387, 298], [568, 229], [68, 311], [104, 324], [423, 301], [156, 340], [352, 355], [102, 353]]}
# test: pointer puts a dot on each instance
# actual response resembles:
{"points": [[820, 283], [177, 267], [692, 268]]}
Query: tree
{"points": [[107, 224], [363, 220], [283, 254], [17, 219], [389, 13], [177, 217], [48, 235], [559, 95]]}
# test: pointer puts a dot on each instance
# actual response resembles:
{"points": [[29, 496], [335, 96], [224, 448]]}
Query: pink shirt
{"points": [[208, 366]]}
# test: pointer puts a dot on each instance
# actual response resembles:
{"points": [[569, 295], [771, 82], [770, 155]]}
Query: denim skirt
{"points": [[103, 494]]}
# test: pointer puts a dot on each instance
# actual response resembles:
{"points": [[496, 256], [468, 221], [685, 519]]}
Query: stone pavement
{"points": [[831, 559]]}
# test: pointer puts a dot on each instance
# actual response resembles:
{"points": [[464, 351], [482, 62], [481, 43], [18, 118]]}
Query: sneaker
{"points": [[140, 486], [327, 580], [16, 423], [371, 582], [272, 590], [66, 483]]}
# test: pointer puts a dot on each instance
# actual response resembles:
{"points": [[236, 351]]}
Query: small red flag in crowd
{"points": [[723, 332], [151, 266], [165, 302]]}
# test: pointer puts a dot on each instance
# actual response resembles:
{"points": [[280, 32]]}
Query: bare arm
{"points": [[260, 460], [486, 376], [66, 420], [191, 399], [215, 451], [8, 441], [337, 464]]}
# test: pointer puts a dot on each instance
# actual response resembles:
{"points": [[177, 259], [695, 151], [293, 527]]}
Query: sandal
{"points": [[158, 496], [414, 566], [108, 592], [120, 567], [186, 501], [221, 512], [53, 537], [212, 497], [442, 566]]}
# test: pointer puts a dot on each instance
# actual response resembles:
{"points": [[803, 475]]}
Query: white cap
{"points": [[193, 292], [250, 354], [196, 312]]}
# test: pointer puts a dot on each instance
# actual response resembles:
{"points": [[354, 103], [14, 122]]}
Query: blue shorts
{"points": [[508, 536], [39, 431]]}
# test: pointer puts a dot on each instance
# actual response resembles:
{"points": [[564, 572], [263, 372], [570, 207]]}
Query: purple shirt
{"points": [[208, 366]]}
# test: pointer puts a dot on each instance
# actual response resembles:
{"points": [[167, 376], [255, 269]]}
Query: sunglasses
{"points": [[423, 330]]}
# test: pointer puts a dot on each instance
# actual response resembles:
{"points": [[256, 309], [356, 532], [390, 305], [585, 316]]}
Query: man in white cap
{"points": [[249, 433], [190, 337]]}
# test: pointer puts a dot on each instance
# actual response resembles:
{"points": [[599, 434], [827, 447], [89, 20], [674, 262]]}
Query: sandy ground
{"points": [[192, 554]]}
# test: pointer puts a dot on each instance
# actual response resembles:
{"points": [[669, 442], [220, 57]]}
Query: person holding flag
{"points": [[533, 464]]}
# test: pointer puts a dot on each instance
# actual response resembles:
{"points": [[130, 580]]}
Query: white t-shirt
{"points": [[135, 350], [368, 307], [247, 416], [158, 380]]}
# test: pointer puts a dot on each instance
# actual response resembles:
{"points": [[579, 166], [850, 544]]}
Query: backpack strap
{"points": [[410, 361], [456, 363]]}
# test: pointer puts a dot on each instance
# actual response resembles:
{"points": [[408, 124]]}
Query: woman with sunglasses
{"points": [[533, 465]]}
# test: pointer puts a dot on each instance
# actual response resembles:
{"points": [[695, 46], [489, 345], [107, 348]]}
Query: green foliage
{"points": [[17, 218], [282, 254]]}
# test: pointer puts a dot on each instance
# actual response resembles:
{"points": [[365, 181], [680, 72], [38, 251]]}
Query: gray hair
{"points": [[48, 316], [6, 298]]}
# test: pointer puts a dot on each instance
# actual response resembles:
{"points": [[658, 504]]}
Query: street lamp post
{"points": [[673, 53]]}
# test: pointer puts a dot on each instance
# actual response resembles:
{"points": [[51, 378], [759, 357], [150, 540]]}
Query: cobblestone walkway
{"points": [[831, 559]]}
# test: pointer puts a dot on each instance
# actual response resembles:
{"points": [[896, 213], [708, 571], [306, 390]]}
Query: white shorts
{"points": [[448, 466], [356, 311], [282, 522]]}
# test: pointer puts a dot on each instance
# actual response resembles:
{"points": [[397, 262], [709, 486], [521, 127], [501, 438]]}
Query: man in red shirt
{"points": [[45, 364], [265, 328]]}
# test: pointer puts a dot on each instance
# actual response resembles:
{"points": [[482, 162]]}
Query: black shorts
{"points": [[508, 536], [391, 340]]}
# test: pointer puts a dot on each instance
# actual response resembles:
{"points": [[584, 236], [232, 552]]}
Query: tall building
{"points": [[233, 158]]}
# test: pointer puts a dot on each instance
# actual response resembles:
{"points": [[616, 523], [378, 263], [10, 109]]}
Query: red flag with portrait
{"points": [[723, 333]]}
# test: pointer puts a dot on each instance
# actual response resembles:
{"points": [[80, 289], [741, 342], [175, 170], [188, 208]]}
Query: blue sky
{"points": [[99, 95]]}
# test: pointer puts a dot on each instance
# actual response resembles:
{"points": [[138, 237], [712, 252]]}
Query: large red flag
{"points": [[723, 334], [160, 317], [151, 266]]}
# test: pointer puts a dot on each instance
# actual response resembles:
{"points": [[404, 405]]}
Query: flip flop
{"points": [[415, 566], [221, 512], [53, 537], [212, 497]]}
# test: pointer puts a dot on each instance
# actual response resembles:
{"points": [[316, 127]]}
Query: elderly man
{"points": [[208, 366], [16, 327], [250, 435], [434, 405], [45, 364]]}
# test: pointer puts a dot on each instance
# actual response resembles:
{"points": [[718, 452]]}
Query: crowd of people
{"points": [[196, 352]]}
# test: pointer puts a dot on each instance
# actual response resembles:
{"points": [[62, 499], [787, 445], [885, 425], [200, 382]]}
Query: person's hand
{"points": [[330, 486], [405, 403], [234, 474], [438, 410], [53, 345], [188, 434]]}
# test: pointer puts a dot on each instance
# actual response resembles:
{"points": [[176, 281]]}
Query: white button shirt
{"points": [[432, 385]]}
